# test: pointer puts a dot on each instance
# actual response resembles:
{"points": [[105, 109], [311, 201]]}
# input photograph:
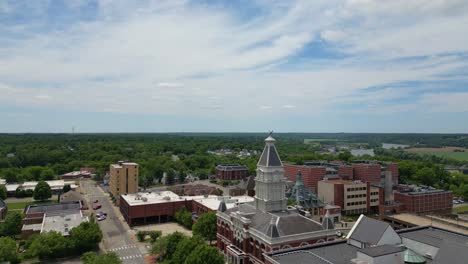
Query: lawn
{"points": [[22, 205], [460, 209]]}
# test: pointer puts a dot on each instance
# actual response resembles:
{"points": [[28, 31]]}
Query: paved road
{"points": [[115, 233]]}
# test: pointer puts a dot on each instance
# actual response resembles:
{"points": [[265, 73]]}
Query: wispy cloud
{"points": [[180, 58]]}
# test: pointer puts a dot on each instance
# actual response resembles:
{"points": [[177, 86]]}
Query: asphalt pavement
{"points": [[115, 233]]}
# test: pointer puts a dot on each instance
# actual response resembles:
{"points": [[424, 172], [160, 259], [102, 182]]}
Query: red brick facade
{"points": [[252, 248], [310, 174], [231, 172], [435, 202], [367, 172], [151, 213]]}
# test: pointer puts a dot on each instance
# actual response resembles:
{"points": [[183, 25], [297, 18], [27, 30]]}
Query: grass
{"points": [[462, 156], [22, 205], [460, 209]]}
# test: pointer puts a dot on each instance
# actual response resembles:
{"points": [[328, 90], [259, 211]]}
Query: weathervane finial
{"points": [[270, 133]]}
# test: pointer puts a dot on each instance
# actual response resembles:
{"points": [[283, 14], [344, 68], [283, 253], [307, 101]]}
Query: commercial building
{"points": [[194, 190], [52, 217], [374, 171], [231, 172], [374, 242], [247, 231], [366, 171], [354, 197], [158, 207], [123, 178], [424, 199], [76, 175], [55, 185]]}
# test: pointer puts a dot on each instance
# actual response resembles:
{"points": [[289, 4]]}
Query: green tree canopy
{"points": [[204, 254], [86, 236], [8, 250], [205, 226], [184, 217], [93, 258], [167, 245], [12, 224], [185, 248], [48, 245], [66, 188], [3, 192], [42, 191]]}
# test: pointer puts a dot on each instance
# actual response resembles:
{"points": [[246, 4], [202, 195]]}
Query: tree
{"points": [[426, 176], [47, 174], [141, 235], [86, 236], [12, 225], [184, 217], [42, 191], [154, 235], [185, 247], [48, 245], [93, 258], [3, 192], [167, 245], [66, 188], [206, 226], [205, 254], [8, 250]]}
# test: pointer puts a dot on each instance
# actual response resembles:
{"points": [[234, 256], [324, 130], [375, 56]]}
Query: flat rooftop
{"points": [[345, 182], [62, 222], [47, 208], [210, 201], [30, 185]]}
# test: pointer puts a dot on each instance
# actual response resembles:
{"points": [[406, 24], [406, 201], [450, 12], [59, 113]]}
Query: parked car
{"points": [[101, 217], [96, 206], [101, 214]]}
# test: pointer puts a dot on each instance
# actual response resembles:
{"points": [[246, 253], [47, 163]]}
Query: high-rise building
{"points": [[123, 178]]}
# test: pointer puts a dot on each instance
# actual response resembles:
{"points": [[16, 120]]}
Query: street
{"points": [[115, 233]]}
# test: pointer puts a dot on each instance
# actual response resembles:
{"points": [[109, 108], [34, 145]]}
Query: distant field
{"points": [[446, 152], [318, 140]]}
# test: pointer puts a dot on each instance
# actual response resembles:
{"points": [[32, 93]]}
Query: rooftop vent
{"points": [[144, 199]]}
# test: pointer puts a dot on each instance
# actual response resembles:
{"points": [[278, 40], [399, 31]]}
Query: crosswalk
{"points": [[122, 248], [131, 257]]}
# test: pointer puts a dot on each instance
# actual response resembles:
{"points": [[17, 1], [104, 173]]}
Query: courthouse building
{"points": [[247, 231]]}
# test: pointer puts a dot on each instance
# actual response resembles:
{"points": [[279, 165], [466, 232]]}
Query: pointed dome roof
{"points": [[270, 157], [222, 206]]}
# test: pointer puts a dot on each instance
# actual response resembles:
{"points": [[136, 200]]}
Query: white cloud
{"points": [[288, 106], [265, 107], [208, 53], [446, 102], [332, 35], [43, 97], [169, 85]]}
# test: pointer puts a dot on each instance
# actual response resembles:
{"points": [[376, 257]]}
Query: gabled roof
{"points": [[368, 230], [269, 155]]}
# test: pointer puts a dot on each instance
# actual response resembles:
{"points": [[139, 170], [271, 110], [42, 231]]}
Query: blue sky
{"points": [[221, 66]]}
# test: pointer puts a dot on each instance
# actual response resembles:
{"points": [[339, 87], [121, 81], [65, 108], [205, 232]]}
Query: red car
{"points": [[96, 206]]}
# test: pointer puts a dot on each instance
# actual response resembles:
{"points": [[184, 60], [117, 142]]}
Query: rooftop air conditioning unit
{"points": [[167, 198], [144, 199]]}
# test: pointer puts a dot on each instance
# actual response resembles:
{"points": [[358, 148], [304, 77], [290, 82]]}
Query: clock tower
{"points": [[270, 185]]}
